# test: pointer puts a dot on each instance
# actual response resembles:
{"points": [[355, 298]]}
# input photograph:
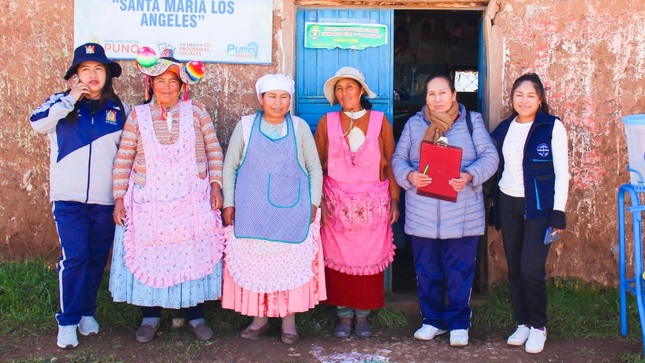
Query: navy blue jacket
{"points": [[539, 174], [82, 154]]}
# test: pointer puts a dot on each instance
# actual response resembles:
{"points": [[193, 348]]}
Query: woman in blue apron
{"points": [[272, 189]]}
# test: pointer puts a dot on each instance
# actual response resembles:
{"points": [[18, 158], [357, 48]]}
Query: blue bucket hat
{"points": [[92, 52]]}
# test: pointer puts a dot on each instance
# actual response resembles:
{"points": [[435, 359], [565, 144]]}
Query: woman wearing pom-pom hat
{"points": [[167, 189]]}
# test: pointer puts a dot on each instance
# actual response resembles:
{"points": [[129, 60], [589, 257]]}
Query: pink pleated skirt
{"points": [[280, 303]]}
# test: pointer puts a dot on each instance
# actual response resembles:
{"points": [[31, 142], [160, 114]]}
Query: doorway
{"points": [[419, 42], [425, 42], [316, 64]]}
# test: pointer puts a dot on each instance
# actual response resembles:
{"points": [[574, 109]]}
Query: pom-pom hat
{"points": [[92, 52], [148, 63], [343, 73]]}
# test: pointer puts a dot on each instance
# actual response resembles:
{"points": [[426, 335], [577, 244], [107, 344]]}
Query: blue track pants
{"points": [[86, 233], [445, 269]]}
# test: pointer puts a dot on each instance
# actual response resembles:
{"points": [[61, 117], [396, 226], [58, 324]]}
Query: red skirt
{"points": [[358, 292]]}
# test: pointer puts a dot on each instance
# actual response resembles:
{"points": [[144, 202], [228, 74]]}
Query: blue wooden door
{"points": [[315, 66], [482, 97]]}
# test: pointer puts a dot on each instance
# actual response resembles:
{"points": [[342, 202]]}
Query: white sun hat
{"points": [[343, 73]]}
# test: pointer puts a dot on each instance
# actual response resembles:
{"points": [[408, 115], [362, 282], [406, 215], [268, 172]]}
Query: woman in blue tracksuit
{"points": [[531, 196], [445, 234], [84, 127]]}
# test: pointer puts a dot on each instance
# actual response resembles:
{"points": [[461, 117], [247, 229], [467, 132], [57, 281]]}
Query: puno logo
{"points": [[89, 49], [110, 117], [543, 150], [248, 51]]}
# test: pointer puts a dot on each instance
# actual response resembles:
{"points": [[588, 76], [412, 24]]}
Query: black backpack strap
{"points": [[469, 123]]}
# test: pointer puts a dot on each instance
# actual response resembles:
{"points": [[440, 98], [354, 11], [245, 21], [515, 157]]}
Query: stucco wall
{"points": [[591, 57], [590, 54], [37, 48]]}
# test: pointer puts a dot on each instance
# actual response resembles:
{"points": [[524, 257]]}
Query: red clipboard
{"points": [[443, 163]]}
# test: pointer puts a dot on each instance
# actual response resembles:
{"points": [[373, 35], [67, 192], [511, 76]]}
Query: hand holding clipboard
{"points": [[419, 179], [440, 163]]}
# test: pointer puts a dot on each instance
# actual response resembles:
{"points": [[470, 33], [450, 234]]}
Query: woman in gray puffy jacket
{"points": [[445, 234]]}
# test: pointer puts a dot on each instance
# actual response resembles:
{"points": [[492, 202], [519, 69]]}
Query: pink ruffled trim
{"points": [[280, 303], [248, 280], [167, 280], [362, 270]]}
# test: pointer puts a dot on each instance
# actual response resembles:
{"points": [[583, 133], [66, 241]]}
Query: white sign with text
{"points": [[217, 31]]}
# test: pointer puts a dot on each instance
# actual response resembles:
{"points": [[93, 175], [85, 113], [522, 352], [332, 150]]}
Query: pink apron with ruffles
{"points": [[357, 238], [172, 234]]}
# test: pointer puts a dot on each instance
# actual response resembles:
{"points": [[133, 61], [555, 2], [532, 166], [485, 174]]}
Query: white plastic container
{"points": [[635, 131]]}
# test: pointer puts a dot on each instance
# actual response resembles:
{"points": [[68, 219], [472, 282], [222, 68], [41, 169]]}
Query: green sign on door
{"points": [[344, 35]]}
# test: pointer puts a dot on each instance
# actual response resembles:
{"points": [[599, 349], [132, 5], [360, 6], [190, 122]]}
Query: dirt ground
{"points": [[116, 344], [386, 346]]}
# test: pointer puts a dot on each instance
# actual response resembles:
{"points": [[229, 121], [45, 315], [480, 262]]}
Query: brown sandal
{"points": [[249, 333], [289, 338]]}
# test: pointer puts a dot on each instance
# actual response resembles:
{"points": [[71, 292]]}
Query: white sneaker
{"points": [[520, 336], [67, 336], [535, 343], [459, 337], [88, 325], [427, 332]]}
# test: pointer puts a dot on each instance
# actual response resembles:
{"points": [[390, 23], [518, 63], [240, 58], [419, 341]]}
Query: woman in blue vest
{"points": [[531, 196], [84, 126]]}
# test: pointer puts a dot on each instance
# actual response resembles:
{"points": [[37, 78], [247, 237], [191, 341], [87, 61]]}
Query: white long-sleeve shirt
{"points": [[512, 181]]}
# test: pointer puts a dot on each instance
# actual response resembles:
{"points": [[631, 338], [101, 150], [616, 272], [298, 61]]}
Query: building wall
{"points": [[591, 57], [590, 54], [37, 48]]}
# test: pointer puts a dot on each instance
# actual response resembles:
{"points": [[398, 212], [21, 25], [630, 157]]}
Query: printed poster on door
{"points": [[218, 31], [344, 35]]}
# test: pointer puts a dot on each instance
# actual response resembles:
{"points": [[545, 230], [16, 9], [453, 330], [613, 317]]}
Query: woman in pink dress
{"points": [[167, 189], [360, 200]]}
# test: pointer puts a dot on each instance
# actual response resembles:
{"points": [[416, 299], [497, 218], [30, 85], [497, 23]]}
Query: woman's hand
{"points": [[314, 209], [78, 89], [394, 211], [459, 183], [119, 211], [216, 196], [324, 213], [228, 215], [419, 180]]}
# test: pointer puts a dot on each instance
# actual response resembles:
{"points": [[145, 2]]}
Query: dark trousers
{"points": [[526, 256], [445, 267], [86, 233], [192, 313]]}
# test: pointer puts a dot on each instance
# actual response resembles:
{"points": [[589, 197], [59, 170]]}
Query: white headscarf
{"points": [[272, 82]]}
